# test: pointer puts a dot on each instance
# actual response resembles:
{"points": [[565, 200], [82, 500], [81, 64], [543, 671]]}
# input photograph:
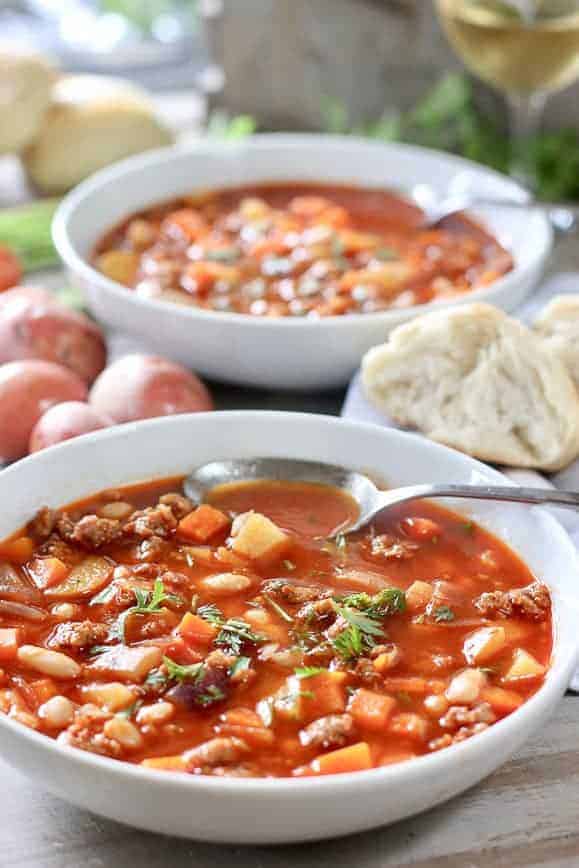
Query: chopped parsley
{"points": [[210, 612], [442, 613], [240, 665], [235, 633], [308, 671], [178, 672], [148, 603], [386, 602]]}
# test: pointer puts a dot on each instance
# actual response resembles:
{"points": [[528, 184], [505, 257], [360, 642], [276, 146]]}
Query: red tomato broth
{"points": [[298, 249], [465, 558]]}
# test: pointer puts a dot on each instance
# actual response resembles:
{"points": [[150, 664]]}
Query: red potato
{"points": [[27, 390], [63, 422], [33, 325], [142, 387], [10, 269]]}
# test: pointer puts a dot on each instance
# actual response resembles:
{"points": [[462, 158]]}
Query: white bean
{"points": [[436, 705], [227, 583], [52, 663], [123, 731], [57, 712], [151, 715], [66, 611], [465, 687]]}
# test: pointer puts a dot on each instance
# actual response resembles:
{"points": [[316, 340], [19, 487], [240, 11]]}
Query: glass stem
{"points": [[525, 114]]}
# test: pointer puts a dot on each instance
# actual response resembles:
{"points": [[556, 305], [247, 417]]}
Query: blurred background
{"points": [[392, 69]]}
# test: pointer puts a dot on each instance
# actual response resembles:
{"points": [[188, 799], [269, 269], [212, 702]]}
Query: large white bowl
{"points": [[281, 810], [284, 353]]}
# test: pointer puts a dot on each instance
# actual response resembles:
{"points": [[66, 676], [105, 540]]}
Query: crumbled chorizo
{"points": [[77, 634], [462, 734], [215, 752], [155, 521], [333, 730], [389, 547], [43, 523], [294, 594], [458, 715], [531, 602], [90, 531], [152, 549], [86, 732], [320, 610], [180, 506]]}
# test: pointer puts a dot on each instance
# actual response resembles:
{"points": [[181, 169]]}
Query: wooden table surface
{"points": [[525, 815]]}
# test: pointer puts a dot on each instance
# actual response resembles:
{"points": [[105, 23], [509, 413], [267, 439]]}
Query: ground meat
{"points": [[321, 610], [123, 589], [215, 752], [334, 730], [532, 602], [389, 547], [86, 732], [43, 523], [156, 521], [77, 635], [152, 549], [458, 715], [364, 670], [463, 733], [90, 531], [292, 594], [180, 506], [55, 547], [320, 655], [140, 627]]}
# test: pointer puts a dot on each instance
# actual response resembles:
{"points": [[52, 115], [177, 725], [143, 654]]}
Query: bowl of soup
{"points": [[278, 261], [184, 667]]}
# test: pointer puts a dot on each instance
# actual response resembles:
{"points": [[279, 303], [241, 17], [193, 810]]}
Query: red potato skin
{"points": [[63, 422], [27, 390], [33, 325], [143, 387]]}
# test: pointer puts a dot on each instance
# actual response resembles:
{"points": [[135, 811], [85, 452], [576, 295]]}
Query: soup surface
{"points": [[298, 250], [236, 639]]}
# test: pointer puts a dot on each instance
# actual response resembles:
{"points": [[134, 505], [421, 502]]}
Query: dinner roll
{"points": [[477, 380], [25, 84], [92, 121], [558, 325]]}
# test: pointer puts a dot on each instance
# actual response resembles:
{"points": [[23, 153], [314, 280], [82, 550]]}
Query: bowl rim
{"points": [[157, 158], [541, 702]]}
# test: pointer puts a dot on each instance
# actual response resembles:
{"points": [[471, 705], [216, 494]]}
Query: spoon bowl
{"points": [[370, 499]]}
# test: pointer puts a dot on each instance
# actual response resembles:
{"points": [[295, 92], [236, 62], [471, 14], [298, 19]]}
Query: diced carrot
{"points": [[44, 689], [353, 758], [409, 725], [502, 701], [371, 710], [421, 528], [413, 685], [17, 550], [246, 724], [324, 694], [203, 523], [9, 642], [165, 763], [182, 652], [46, 572], [195, 629]]}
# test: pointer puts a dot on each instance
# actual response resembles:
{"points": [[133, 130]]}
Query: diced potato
{"points": [[465, 688], [524, 665], [84, 580], [127, 663], [165, 763], [113, 696], [484, 644], [119, 265], [257, 537], [418, 596]]}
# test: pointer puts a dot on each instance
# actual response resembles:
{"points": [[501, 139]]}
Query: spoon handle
{"points": [[513, 494]]}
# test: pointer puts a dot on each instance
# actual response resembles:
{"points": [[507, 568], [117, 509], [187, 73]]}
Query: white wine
{"points": [[517, 53]]}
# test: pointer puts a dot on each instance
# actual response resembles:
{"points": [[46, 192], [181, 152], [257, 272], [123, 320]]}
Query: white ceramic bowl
{"points": [[283, 353], [281, 810]]}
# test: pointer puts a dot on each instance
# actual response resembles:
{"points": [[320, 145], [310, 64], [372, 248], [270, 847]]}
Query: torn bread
{"points": [[477, 380], [558, 325]]}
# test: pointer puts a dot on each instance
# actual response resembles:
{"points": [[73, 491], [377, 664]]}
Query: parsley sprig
{"points": [[148, 603], [234, 632]]}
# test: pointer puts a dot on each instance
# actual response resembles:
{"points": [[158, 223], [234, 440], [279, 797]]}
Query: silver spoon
{"points": [[371, 500]]}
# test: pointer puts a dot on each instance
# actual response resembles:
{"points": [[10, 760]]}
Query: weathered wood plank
{"points": [[525, 816]]}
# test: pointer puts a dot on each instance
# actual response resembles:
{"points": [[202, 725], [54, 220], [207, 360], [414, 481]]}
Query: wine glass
{"points": [[527, 49]]}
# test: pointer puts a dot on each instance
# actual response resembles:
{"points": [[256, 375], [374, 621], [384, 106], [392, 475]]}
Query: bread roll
{"points": [[558, 325], [26, 82], [477, 380], [92, 121]]}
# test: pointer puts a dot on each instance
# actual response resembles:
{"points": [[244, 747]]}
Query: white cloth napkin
{"points": [[358, 408]]}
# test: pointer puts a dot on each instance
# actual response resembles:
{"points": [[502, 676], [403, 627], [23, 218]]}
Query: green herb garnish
{"points": [[279, 610], [240, 665], [385, 602], [210, 612], [308, 671], [442, 613], [235, 633]]}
